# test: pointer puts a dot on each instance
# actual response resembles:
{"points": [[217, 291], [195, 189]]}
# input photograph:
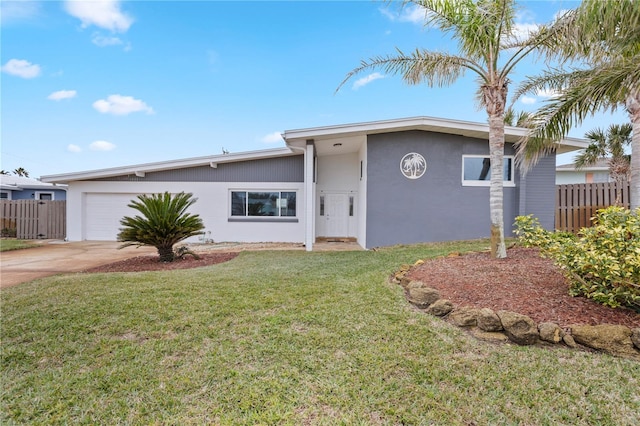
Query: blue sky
{"points": [[89, 85]]}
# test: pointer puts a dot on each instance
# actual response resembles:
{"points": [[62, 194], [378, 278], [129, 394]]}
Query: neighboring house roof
{"points": [[336, 139], [601, 165], [18, 183]]}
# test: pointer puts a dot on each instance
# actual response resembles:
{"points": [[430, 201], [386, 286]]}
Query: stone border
{"points": [[504, 326]]}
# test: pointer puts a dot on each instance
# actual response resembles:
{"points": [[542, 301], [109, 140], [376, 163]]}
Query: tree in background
{"points": [[20, 171], [610, 146], [164, 222], [489, 48], [604, 35]]}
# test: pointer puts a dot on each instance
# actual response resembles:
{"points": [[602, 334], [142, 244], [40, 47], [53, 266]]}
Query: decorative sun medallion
{"points": [[413, 165]]}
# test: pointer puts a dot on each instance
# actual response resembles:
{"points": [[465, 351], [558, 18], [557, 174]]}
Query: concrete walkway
{"points": [[60, 257]]}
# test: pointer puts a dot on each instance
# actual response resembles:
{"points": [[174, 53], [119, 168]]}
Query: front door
{"points": [[337, 215]]}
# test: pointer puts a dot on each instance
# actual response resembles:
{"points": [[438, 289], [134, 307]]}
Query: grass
{"points": [[282, 337], [7, 244]]}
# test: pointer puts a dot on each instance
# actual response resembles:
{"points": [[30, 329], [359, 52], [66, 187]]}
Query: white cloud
{"points": [[62, 94], [21, 68], [18, 10], [528, 100], [74, 148], [102, 41], [366, 80], [274, 137], [413, 13], [101, 13], [522, 31], [102, 146], [547, 93], [121, 105]]}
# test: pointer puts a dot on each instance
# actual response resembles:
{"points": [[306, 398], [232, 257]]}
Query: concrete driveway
{"points": [[60, 257]]}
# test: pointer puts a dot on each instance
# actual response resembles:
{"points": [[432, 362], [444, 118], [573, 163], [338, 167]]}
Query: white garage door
{"points": [[103, 213]]}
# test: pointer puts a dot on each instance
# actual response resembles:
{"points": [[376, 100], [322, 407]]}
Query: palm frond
{"points": [[434, 68]]}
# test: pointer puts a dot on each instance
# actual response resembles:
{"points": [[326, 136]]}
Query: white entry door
{"points": [[337, 215]]}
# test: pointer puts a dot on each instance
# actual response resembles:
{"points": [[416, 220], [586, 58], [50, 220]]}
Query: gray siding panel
{"points": [[281, 169], [435, 207], [539, 197]]}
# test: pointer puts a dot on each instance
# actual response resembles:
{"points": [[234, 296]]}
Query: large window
{"points": [[476, 171], [269, 204]]}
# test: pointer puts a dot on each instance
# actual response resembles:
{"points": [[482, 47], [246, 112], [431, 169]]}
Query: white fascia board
{"points": [[168, 165], [441, 125]]}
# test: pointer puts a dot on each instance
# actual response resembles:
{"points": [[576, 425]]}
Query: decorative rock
{"points": [[635, 337], [422, 297], [612, 339], [568, 340], [488, 320], [519, 328], [416, 284], [550, 332], [492, 336], [440, 308], [464, 316], [404, 281]]}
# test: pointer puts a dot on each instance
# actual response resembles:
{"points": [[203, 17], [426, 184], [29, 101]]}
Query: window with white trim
{"points": [[476, 170], [5, 195], [263, 203], [46, 196]]}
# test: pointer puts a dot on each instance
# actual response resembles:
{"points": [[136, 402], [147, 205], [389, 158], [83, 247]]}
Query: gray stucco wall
{"points": [[281, 169], [435, 207], [538, 192]]}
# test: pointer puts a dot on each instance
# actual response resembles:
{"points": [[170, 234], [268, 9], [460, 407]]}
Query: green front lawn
{"points": [[7, 244], [282, 337]]}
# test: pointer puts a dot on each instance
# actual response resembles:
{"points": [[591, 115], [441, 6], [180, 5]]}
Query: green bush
{"points": [[602, 263]]}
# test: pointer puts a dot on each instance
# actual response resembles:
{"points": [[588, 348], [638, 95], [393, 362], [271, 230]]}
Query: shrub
{"points": [[603, 263]]}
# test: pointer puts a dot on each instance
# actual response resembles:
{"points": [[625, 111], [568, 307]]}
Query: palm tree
{"points": [[164, 222], [518, 119], [488, 48], [610, 146], [606, 35], [20, 171]]}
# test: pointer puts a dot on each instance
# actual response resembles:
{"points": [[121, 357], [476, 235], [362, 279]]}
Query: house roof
{"points": [[600, 166], [351, 136], [329, 140], [141, 169], [18, 183]]}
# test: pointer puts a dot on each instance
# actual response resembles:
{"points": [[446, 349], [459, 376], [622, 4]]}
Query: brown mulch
{"points": [[524, 283], [151, 263]]}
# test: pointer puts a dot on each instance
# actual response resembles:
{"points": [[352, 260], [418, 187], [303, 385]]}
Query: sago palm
{"points": [[164, 222], [489, 48], [604, 35]]}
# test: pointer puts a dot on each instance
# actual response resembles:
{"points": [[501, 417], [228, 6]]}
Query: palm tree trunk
{"points": [[496, 155], [633, 107], [166, 253]]}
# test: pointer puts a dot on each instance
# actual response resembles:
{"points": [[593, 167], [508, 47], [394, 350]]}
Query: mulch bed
{"points": [[151, 263], [524, 283]]}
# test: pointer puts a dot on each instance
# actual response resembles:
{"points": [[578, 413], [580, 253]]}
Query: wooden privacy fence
{"points": [[33, 219], [577, 203]]}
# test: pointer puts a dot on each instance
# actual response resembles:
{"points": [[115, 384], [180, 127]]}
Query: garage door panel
{"points": [[103, 213]]}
